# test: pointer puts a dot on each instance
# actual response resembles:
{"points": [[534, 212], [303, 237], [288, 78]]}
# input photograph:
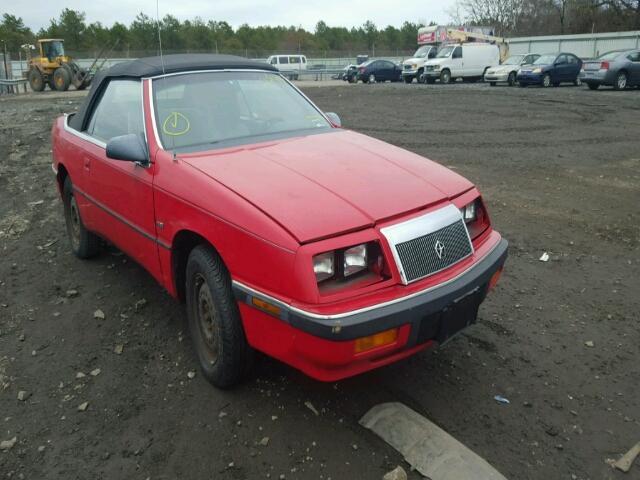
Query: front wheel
{"points": [[593, 86], [36, 80], [408, 79], [214, 320], [61, 79], [493, 84], [372, 78], [512, 79], [621, 81], [577, 82], [445, 77], [546, 80], [84, 244]]}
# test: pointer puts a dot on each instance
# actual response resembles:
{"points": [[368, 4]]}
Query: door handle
{"points": [[87, 163]]}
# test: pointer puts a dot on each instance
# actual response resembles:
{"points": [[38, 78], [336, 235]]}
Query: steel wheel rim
{"points": [[207, 319], [546, 81], [372, 78], [74, 223], [622, 82]]}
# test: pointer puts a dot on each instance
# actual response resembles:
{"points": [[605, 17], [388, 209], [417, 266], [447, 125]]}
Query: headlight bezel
{"points": [[366, 264]]}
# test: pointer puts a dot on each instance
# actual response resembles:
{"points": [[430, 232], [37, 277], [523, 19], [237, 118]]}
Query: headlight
{"points": [[360, 263], [355, 260], [469, 212], [537, 70], [414, 66], [324, 266], [475, 217], [436, 67]]}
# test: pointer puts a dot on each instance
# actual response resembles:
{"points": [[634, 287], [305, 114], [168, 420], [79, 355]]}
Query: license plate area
{"points": [[442, 326]]}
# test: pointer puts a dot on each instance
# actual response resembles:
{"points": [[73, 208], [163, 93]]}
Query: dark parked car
{"points": [[620, 69], [379, 71], [551, 69]]}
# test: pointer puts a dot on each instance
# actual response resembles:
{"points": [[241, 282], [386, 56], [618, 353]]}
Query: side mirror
{"points": [[334, 118], [130, 148]]}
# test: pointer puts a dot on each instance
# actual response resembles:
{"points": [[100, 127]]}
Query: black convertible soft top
{"points": [[152, 66]]}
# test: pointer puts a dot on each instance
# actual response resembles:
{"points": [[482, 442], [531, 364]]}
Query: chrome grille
{"points": [[407, 67], [419, 257], [428, 244]]}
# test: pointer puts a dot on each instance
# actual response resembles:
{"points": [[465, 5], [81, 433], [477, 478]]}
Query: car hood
{"points": [[409, 61], [503, 68], [322, 185], [531, 67], [438, 61]]}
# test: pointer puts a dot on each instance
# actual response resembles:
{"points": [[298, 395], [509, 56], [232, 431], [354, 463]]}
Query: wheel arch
{"points": [[184, 241], [61, 176]]}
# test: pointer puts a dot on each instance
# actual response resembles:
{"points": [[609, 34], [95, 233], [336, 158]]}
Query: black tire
{"points": [[408, 79], [493, 84], [621, 81], [36, 80], [84, 244], [511, 80], [577, 82], [546, 81], [61, 79], [593, 86], [216, 329], [371, 78], [445, 77], [430, 81]]}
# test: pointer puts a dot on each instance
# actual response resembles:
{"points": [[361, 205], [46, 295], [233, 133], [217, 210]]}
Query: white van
{"points": [[289, 64], [414, 66], [468, 61]]}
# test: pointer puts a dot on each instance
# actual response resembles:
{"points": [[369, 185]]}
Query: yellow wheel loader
{"points": [[52, 67]]}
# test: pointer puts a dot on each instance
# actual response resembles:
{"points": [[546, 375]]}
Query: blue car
{"points": [[551, 69]]}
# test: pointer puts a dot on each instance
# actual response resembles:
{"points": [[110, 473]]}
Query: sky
{"points": [[305, 13]]}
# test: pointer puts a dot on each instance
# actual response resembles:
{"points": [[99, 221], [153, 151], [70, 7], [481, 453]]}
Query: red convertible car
{"points": [[281, 231]]}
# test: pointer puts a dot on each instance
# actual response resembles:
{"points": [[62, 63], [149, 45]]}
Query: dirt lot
{"points": [[560, 171]]}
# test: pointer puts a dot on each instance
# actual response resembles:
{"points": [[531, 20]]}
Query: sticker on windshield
{"points": [[176, 124]]}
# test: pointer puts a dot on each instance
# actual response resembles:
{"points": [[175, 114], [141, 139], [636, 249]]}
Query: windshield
{"points": [[545, 60], [422, 52], [445, 52], [514, 60], [54, 49], [195, 111]]}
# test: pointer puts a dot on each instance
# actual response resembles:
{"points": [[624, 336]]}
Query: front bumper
{"points": [[496, 77], [432, 73], [530, 78], [322, 346], [409, 73]]}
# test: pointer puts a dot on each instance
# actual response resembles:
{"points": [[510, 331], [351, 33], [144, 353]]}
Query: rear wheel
{"points": [[36, 80], [621, 81], [511, 80], [214, 320], [84, 244], [593, 86], [62, 79], [445, 77]]}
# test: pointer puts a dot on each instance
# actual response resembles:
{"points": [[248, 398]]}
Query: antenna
{"points": [[173, 145], [159, 36]]}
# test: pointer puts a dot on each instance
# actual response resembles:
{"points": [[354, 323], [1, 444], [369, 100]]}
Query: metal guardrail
{"points": [[13, 86], [312, 74]]}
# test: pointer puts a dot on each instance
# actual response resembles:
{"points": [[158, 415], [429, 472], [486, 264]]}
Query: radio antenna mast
{"points": [[159, 36]]}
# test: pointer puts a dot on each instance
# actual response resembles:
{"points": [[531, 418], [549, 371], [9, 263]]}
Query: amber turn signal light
{"points": [[377, 340], [266, 306], [494, 279]]}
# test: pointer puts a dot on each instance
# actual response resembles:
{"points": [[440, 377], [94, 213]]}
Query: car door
{"points": [[573, 69], [560, 69], [457, 62], [634, 67], [389, 70], [121, 192]]}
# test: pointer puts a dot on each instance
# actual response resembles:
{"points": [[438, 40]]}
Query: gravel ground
{"points": [[559, 169]]}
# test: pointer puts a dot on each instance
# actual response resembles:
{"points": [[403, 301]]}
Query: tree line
{"points": [[140, 37]]}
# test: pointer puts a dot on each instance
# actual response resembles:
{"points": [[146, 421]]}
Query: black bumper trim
{"points": [[412, 311]]}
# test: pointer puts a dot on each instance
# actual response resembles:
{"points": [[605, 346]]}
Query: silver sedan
{"points": [[508, 70], [619, 68]]}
